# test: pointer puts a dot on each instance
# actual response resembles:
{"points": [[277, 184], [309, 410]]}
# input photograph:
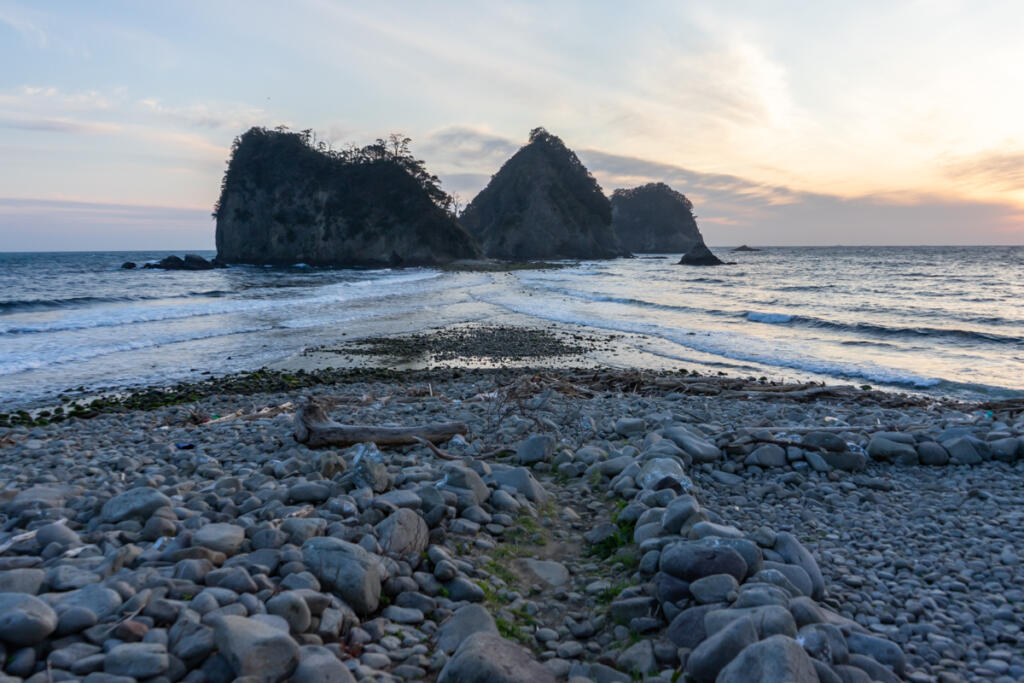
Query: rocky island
{"points": [[654, 219], [543, 204], [285, 200]]}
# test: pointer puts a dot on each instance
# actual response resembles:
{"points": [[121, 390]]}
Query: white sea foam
{"points": [[129, 314]]}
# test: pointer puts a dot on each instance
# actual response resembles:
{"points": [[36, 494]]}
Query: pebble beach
{"points": [[590, 524]]}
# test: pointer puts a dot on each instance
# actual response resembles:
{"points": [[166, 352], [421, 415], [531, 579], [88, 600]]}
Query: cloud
{"points": [[28, 28], [59, 125], [206, 116], [26, 224], [468, 147], [732, 209], [993, 170]]}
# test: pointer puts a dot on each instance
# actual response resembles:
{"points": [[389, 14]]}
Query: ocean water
{"points": [[944, 320]]}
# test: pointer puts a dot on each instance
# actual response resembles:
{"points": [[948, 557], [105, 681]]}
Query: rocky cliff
{"points": [[285, 200], [542, 204], [654, 218]]}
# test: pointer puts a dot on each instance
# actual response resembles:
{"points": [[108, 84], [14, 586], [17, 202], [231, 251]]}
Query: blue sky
{"points": [[798, 123]]}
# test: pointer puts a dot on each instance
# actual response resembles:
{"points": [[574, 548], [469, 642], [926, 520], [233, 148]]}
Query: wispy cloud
{"points": [[22, 22], [59, 125], [205, 116], [998, 170], [34, 224]]}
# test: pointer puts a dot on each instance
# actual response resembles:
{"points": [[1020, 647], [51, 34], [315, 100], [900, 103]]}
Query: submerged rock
{"points": [[700, 255], [190, 262], [543, 204], [654, 218]]}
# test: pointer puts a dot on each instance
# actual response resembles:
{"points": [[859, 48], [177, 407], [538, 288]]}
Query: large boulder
{"points": [[220, 537], [542, 204], [254, 648], [793, 552], [489, 658], [654, 219], [317, 664], [691, 560], [284, 200], [778, 659], [467, 621], [712, 655], [137, 503], [25, 619], [403, 532], [346, 569]]}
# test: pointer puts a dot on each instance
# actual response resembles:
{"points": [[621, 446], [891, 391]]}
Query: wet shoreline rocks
{"points": [[616, 531]]}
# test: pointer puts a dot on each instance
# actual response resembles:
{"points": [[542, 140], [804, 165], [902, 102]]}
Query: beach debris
{"points": [[26, 536], [314, 428]]}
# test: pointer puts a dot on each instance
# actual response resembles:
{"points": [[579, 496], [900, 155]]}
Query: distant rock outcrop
{"points": [[543, 204], [654, 219], [744, 247], [286, 200], [700, 256], [190, 262]]}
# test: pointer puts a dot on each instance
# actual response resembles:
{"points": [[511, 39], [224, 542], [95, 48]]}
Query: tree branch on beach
{"points": [[314, 428]]}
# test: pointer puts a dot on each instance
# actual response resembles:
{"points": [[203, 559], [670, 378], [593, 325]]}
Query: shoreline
{"points": [[513, 343], [563, 559]]}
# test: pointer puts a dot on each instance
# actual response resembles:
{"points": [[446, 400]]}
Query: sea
{"points": [[938, 320]]}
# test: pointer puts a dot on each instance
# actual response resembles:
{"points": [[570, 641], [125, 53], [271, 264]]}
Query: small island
{"points": [[654, 219], [286, 199]]}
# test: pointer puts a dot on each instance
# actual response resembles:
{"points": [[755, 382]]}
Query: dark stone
{"points": [[687, 629], [690, 561], [846, 460], [700, 255], [712, 655], [128, 265], [190, 262], [778, 659], [489, 657]]}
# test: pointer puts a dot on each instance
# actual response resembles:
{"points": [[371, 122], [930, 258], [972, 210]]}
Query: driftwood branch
{"points": [[314, 428]]}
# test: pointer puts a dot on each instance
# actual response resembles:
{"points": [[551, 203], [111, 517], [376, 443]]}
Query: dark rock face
{"points": [[700, 255], [543, 204], [128, 265], [286, 201], [654, 218], [190, 262]]}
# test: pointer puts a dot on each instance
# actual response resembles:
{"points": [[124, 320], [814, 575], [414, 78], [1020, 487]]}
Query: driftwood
{"points": [[314, 428], [26, 536]]}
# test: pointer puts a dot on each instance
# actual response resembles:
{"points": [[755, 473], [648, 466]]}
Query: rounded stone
{"points": [[25, 619]]}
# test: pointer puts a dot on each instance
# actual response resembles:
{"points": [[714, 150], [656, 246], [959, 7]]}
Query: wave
{"points": [[129, 315], [12, 367], [12, 306], [876, 329], [733, 346], [776, 318], [771, 318]]}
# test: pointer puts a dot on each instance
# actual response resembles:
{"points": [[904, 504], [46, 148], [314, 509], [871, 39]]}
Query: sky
{"points": [[786, 123]]}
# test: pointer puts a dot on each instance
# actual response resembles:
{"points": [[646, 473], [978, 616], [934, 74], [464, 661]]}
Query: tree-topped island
{"points": [[287, 199]]}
